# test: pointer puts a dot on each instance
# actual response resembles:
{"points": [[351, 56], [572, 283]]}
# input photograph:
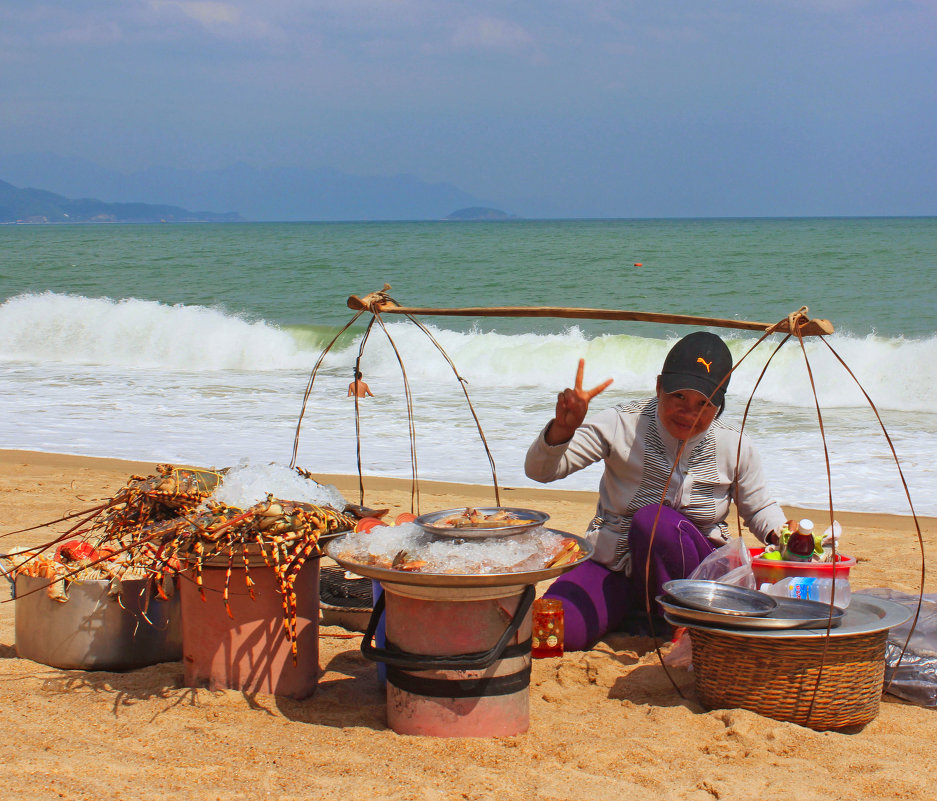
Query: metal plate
{"points": [[790, 613], [727, 599], [430, 522], [865, 615], [456, 579]]}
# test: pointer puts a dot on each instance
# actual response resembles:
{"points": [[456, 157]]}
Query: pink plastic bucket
{"points": [[457, 659], [772, 571], [250, 652]]}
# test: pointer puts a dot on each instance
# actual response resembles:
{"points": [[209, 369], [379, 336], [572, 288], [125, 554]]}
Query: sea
{"points": [[196, 343]]}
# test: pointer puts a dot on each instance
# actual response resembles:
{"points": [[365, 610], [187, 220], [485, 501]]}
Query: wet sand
{"points": [[604, 724]]}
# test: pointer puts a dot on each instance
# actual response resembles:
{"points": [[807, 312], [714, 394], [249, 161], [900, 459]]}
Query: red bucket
{"points": [[250, 652], [774, 570]]}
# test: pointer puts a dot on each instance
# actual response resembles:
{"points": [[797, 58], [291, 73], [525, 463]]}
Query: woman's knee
{"points": [[661, 521], [594, 598]]}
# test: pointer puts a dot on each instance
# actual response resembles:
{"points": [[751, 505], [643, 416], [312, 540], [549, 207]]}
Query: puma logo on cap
{"points": [[682, 366]]}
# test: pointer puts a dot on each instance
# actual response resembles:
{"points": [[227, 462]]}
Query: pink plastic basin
{"points": [[774, 570]]}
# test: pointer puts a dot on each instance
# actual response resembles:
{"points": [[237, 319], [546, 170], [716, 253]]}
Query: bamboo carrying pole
{"points": [[380, 303]]}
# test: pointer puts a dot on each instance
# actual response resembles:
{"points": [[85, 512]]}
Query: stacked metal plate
{"points": [[693, 601]]}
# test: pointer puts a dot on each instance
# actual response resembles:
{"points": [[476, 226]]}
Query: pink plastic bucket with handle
{"points": [[457, 659]]}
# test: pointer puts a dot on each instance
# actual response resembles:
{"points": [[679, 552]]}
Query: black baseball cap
{"points": [[699, 361]]}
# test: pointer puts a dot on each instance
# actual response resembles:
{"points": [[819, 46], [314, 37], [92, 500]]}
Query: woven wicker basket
{"points": [[776, 676]]}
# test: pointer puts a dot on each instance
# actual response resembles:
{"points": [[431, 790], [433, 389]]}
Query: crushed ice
{"points": [[519, 553], [249, 484]]}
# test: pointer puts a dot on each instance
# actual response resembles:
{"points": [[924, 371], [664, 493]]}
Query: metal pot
{"points": [[93, 630]]}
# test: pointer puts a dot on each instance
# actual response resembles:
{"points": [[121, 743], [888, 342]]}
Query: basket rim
{"points": [[866, 614]]}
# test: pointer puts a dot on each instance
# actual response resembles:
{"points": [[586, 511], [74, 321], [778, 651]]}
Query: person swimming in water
{"points": [[358, 388]]}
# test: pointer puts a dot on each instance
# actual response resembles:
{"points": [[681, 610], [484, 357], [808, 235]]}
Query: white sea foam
{"points": [[69, 329], [138, 379]]}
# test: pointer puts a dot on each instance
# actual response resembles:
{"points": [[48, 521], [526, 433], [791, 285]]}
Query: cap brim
{"points": [[674, 382]]}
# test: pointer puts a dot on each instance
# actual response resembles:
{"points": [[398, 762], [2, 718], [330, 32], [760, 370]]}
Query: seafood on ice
{"points": [[169, 524], [472, 518], [408, 547]]}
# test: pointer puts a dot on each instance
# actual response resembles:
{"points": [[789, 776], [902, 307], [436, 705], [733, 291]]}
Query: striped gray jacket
{"points": [[639, 453]]}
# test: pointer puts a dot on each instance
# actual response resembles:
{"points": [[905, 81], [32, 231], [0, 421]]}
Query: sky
{"points": [[595, 108]]}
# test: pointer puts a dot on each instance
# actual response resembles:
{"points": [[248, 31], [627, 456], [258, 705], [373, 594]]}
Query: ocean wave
{"points": [[52, 328], [56, 328]]}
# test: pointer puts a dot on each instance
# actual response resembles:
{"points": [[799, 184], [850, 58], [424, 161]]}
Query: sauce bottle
{"points": [[800, 545]]}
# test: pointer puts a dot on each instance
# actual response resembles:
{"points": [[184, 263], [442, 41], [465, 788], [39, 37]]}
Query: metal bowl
{"points": [[94, 630], [726, 599], [531, 519]]}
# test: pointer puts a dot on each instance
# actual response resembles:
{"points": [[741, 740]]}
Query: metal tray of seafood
{"points": [[333, 549], [726, 599], [790, 613], [865, 615], [518, 521]]}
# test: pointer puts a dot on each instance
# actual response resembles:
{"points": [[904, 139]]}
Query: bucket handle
{"points": [[475, 661]]}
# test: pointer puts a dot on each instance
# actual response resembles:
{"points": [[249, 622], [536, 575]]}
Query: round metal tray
{"points": [[790, 613], [459, 579], [865, 615], [429, 522], [726, 599]]}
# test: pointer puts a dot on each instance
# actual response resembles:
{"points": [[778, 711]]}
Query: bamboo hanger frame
{"points": [[798, 322]]}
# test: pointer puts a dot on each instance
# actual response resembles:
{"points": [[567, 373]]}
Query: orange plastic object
{"points": [[548, 628]]}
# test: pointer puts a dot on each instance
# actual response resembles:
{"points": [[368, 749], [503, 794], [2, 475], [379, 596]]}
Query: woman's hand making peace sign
{"points": [[571, 407]]}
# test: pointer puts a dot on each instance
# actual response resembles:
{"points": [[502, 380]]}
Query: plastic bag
{"points": [[915, 678], [680, 654], [729, 564]]}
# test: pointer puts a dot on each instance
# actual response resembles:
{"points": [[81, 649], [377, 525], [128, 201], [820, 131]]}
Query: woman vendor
{"points": [[639, 443]]}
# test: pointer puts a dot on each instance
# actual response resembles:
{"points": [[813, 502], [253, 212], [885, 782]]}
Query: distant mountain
{"points": [[40, 206], [281, 194], [480, 213]]}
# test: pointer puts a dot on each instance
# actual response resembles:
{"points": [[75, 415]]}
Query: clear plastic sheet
{"points": [[915, 678]]}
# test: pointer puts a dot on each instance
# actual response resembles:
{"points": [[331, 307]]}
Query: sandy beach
{"points": [[604, 724]]}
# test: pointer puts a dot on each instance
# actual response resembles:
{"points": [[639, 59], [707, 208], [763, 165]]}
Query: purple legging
{"points": [[596, 600]]}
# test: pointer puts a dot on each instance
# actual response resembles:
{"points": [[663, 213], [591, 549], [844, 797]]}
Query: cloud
{"points": [[226, 20], [209, 13], [490, 33], [92, 33]]}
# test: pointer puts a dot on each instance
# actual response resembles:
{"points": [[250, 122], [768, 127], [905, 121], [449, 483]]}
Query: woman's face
{"points": [[678, 412]]}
